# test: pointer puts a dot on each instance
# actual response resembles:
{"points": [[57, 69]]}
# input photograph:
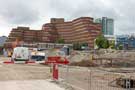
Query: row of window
{"points": [[74, 34], [81, 20]]}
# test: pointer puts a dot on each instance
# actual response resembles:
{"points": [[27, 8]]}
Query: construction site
{"points": [[86, 70], [46, 60]]}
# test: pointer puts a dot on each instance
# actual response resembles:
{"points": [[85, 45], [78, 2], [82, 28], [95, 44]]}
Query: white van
{"points": [[21, 54]]}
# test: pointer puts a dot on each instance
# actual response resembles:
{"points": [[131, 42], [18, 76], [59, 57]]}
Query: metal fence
{"points": [[96, 78]]}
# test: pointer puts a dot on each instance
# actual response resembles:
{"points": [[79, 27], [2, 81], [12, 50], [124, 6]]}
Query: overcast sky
{"points": [[34, 13]]}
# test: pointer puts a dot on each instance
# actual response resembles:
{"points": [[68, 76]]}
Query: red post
{"points": [[56, 61], [55, 71]]}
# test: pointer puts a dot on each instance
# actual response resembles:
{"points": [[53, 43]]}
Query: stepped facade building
{"points": [[80, 30]]}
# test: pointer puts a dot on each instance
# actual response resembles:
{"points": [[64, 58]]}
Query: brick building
{"points": [[82, 30], [23, 34]]}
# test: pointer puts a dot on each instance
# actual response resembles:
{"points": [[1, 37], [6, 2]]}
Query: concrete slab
{"points": [[29, 85]]}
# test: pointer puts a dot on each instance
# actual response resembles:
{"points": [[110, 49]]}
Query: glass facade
{"points": [[128, 42], [107, 25], [110, 27]]}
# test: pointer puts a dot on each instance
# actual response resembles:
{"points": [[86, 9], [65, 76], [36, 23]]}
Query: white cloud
{"points": [[34, 13]]}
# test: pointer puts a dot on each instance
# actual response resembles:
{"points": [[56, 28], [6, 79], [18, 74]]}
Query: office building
{"points": [[107, 25], [80, 30], [126, 41]]}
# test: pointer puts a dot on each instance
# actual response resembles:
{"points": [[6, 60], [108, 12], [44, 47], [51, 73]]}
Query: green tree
{"points": [[60, 40], [102, 42], [105, 44], [112, 45], [120, 47]]}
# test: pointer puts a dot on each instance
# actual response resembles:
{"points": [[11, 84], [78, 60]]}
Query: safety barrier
{"points": [[92, 78], [25, 62]]}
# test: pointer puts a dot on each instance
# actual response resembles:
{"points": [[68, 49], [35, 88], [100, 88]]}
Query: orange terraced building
{"points": [[82, 30]]}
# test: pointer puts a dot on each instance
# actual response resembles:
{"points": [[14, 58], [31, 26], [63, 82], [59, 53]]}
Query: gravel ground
{"points": [[28, 85], [23, 72], [82, 78], [34, 77], [26, 77]]}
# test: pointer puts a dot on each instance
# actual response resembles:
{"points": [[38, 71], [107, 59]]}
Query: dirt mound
{"points": [[84, 64]]}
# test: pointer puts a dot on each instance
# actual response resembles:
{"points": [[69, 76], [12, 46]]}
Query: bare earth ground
{"points": [[94, 78], [34, 77], [24, 77], [28, 85]]}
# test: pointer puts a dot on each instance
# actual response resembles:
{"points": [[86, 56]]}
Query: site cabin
{"points": [[20, 54]]}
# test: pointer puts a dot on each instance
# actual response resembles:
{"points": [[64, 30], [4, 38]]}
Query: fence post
{"points": [[67, 73], [89, 79], [128, 84]]}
